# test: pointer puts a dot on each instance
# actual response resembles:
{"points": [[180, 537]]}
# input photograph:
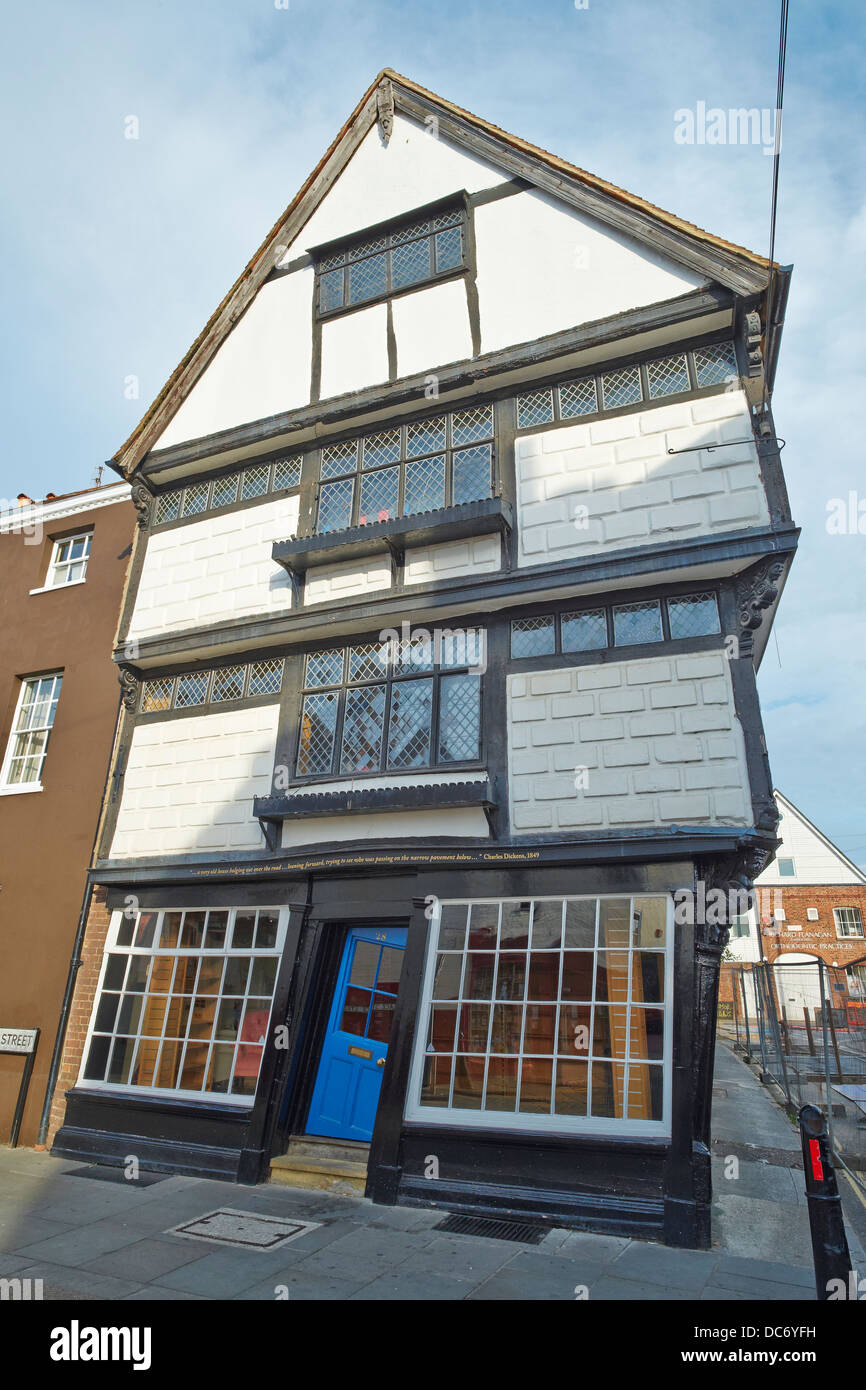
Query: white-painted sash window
{"points": [[69, 560], [31, 729], [546, 1015], [848, 921]]}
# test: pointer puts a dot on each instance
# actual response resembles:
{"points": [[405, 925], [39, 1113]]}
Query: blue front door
{"points": [[359, 1028]]}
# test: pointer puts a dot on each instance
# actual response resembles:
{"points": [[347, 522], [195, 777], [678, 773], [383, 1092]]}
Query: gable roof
{"points": [[733, 266], [790, 809]]}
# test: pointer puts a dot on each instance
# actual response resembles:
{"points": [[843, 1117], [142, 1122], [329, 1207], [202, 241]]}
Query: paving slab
{"points": [[62, 1282], [644, 1262], [222, 1273], [631, 1291], [145, 1259], [534, 1277], [26, 1230]]}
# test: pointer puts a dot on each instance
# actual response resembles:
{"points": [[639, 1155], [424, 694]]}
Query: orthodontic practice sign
{"points": [[21, 1040]]}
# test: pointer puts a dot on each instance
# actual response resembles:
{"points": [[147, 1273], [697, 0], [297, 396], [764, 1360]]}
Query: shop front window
{"points": [[185, 1002], [549, 1014]]}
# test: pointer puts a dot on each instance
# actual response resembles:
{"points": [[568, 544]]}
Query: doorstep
{"points": [[323, 1165]]}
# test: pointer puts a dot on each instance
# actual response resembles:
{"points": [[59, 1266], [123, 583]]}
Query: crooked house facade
{"points": [[461, 530]]}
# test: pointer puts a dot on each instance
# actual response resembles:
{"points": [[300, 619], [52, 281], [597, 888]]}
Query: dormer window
{"points": [[398, 259]]}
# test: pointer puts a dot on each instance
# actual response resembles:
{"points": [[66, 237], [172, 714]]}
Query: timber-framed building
{"points": [[462, 528]]}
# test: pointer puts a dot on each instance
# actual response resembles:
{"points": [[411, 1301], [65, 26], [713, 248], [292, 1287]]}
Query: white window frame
{"points": [[56, 565], [848, 935], [527, 1124], [10, 788], [216, 1098]]}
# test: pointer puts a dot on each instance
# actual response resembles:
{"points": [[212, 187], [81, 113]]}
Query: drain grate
{"points": [[102, 1173], [493, 1230]]}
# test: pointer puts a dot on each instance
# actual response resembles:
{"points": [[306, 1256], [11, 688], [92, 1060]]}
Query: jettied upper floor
{"points": [[558, 269]]}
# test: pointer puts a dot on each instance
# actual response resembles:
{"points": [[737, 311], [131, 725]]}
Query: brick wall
{"points": [[659, 740], [215, 569], [635, 492], [190, 783], [818, 938], [86, 980]]}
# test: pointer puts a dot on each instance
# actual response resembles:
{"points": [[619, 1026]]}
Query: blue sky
{"points": [[116, 251]]}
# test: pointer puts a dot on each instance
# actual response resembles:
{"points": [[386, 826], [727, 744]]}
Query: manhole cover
{"points": [[245, 1229], [493, 1230]]}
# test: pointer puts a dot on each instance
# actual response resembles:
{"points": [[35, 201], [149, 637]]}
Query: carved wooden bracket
{"points": [[130, 680], [385, 108], [141, 500], [756, 591]]}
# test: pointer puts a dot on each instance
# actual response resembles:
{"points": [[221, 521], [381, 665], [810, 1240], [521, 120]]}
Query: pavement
{"points": [[92, 1238]]}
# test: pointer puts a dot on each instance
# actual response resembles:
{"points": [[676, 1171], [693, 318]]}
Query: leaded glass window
{"points": [[225, 491], [679, 618], [533, 636], [637, 622], [374, 708], [385, 264], [194, 688], [693, 615], [442, 461]]}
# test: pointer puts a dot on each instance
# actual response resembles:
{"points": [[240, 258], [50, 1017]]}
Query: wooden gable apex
{"points": [[733, 267]]}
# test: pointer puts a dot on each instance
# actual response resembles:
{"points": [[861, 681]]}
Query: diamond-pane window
{"points": [[696, 615], [367, 279], [335, 505], [472, 474], [447, 219], [410, 263], [338, 459], [228, 683], [667, 375], [449, 249], [156, 695], [409, 723], [363, 724], [191, 690], [318, 724], [577, 398], [225, 491], [331, 290], [534, 408], [416, 653], [195, 499], [380, 492], [426, 436], [324, 668], [255, 482], [533, 637], [167, 507], [266, 677], [367, 663], [584, 632], [287, 473], [621, 388], [405, 234], [715, 364], [381, 448], [469, 425], [637, 622], [459, 718], [425, 485]]}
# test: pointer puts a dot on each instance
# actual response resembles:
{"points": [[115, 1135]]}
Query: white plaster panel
{"points": [[630, 743], [431, 327], [190, 783], [478, 555], [612, 484], [261, 369], [215, 569], [384, 180], [453, 822], [355, 351], [543, 267], [342, 581]]}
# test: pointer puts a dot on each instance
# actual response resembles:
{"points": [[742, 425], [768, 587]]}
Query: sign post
{"points": [[24, 1042]]}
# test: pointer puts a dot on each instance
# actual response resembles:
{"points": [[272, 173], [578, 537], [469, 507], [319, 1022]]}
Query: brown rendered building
{"points": [[63, 563]]}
